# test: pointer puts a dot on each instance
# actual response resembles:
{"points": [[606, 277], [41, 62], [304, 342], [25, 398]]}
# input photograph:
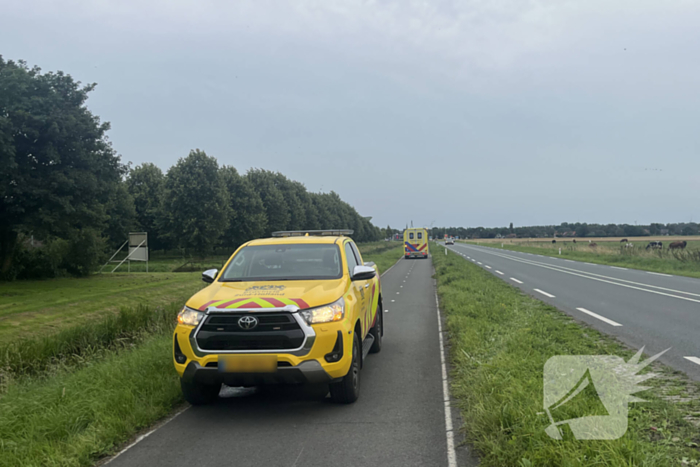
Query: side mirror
{"points": [[209, 275], [363, 273]]}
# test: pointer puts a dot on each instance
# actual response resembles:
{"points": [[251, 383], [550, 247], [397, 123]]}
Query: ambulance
{"points": [[415, 242]]}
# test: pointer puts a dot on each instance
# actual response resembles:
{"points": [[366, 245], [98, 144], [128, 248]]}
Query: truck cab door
{"points": [[358, 288], [368, 297]]}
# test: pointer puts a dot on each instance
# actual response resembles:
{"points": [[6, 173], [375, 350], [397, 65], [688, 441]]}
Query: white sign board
{"points": [[138, 254], [138, 246]]}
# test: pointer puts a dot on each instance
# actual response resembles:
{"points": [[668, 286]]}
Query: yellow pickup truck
{"points": [[300, 307]]}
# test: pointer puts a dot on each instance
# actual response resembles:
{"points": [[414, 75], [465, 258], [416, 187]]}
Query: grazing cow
{"points": [[624, 240], [655, 245], [680, 245], [554, 241], [593, 245], [574, 240]]}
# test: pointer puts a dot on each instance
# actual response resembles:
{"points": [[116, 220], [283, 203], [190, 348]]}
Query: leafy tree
{"points": [[57, 169], [196, 206], [292, 193], [248, 218], [121, 216], [276, 208], [146, 184]]}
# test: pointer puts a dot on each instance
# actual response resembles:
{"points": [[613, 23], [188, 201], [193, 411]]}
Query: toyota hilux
{"points": [[300, 307]]}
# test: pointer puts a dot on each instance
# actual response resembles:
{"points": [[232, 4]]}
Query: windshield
{"points": [[284, 262]]}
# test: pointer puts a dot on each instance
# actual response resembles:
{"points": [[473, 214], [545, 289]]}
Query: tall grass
{"points": [[500, 340], [83, 342], [74, 418]]}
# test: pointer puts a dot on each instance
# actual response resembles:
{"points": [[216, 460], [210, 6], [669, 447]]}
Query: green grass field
{"points": [[86, 363], [499, 341], [680, 262], [39, 308]]}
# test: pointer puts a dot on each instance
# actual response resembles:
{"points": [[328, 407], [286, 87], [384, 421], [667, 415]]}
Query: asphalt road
{"points": [[399, 419], [658, 311]]}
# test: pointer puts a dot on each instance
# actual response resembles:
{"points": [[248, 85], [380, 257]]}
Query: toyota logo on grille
{"points": [[248, 322]]}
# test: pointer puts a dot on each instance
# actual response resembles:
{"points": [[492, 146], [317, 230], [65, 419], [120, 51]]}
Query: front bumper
{"points": [[304, 364], [306, 372]]}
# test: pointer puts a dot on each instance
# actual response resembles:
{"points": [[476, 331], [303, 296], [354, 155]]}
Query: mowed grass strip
{"points": [[40, 308], [87, 411], [500, 339], [679, 262]]}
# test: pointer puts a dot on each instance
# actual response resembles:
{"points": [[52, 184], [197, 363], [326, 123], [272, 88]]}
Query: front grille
{"points": [[275, 331]]}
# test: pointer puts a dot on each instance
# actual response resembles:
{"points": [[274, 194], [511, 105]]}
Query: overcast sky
{"points": [[461, 113]]}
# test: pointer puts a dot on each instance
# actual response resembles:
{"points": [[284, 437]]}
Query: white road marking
{"points": [[602, 318], [590, 264], [386, 311], [659, 274], [569, 261], [397, 293], [144, 436], [616, 267], [473, 260], [401, 286], [489, 267], [479, 262], [693, 359], [393, 301], [516, 280], [498, 272], [544, 293], [595, 277], [449, 431]]}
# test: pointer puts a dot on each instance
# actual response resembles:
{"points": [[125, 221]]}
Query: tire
{"points": [[198, 393], [347, 390], [377, 331]]}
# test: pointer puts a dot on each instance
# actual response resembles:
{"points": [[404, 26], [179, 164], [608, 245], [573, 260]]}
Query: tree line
{"points": [[67, 200], [566, 229]]}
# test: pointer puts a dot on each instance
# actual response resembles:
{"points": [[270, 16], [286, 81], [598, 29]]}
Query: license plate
{"points": [[247, 363]]}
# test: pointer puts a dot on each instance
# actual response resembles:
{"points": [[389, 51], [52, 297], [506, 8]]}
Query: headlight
{"points": [[325, 314], [189, 317]]}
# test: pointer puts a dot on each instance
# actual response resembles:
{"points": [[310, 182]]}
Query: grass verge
{"points": [[500, 340], [383, 254], [681, 263], [74, 418], [83, 343]]}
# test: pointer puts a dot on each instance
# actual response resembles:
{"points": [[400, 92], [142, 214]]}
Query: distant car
{"points": [[449, 241]]}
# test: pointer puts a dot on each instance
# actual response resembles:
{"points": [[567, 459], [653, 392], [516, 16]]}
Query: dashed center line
{"points": [[498, 272], [479, 262], [693, 359], [602, 318], [489, 267], [544, 293], [659, 274], [516, 280]]}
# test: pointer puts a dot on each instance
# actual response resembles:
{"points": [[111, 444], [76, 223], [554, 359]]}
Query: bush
{"points": [[57, 257]]}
